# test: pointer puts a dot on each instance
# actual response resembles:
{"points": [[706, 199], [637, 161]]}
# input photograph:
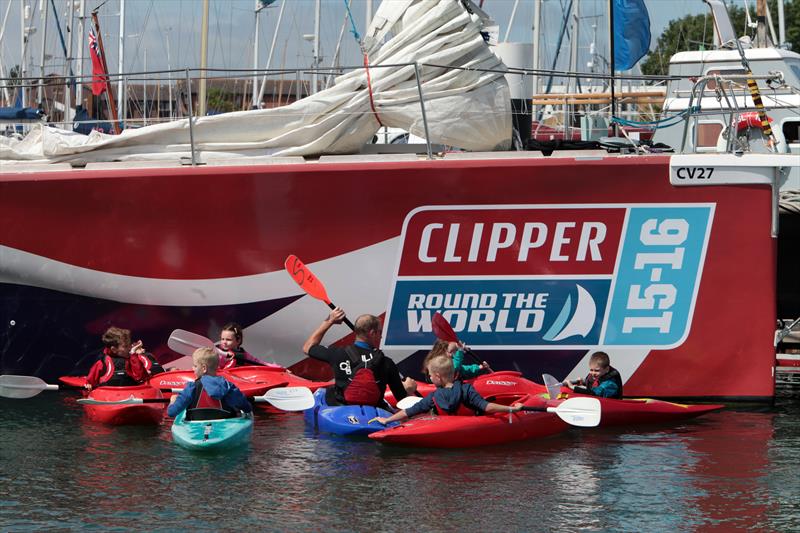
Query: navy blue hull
{"points": [[48, 333]]}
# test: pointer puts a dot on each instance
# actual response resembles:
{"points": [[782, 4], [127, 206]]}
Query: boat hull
{"points": [[211, 435], [118, 415], [391, 254]]}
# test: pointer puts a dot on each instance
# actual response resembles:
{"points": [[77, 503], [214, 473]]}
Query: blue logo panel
{"points": [[510, 312], [657, 276]]}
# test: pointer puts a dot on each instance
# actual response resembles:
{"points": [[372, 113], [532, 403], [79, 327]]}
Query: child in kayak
{"points": [[603, 380], [450, 394], [230, 342], [121, 364], [456, 351], [209, 396]]}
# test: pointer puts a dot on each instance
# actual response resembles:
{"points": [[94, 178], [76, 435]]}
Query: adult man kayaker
{"points": [[361, 371], [603, 379]]}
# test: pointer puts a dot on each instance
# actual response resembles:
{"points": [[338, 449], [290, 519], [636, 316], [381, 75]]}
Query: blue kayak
{"points": [[346, 420], [219, 434]]}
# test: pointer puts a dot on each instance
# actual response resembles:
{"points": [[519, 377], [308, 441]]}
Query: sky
{"points": [[162, 34]]}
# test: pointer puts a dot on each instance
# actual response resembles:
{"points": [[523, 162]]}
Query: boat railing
{"points": [[144, 93], [727, 90]]}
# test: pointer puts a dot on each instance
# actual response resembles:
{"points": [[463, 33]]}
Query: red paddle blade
{"points": [[442, 328], [306, 279]]}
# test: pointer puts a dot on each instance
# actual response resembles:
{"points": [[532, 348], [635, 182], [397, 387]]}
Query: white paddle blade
{"points": [[185, 342], [21, 387], [288, 398], [581, 412], [408, 401], [553, 386]]}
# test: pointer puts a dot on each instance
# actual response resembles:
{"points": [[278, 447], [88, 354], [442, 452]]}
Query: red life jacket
{"points": [[363, 387], [439, 410], [204, 407], [116, 369]]}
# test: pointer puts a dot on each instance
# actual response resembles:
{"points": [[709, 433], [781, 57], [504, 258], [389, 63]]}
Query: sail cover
{"points": [[466, 100]]}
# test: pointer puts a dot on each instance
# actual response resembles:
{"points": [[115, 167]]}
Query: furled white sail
{"points": [[466, 97]]}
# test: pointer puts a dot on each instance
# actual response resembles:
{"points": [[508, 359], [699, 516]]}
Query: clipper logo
{"points": [[550, 276]]}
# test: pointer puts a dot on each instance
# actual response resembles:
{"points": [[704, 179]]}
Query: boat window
{"points": [[712, 84], [791, 131], [708, 134], [791, 134], [796, 69]]}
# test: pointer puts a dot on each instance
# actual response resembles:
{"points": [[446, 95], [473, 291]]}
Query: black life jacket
{"points": [[360, 386], [114, 374]]}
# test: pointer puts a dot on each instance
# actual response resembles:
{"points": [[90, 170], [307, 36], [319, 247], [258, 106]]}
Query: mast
{"points": [[573, 64], [6, 94], [368, 16], [71, 82], [81, 34], [24, 12], [613, 109], [781, 24], [761, 24], [43, 9], [109, 94], [271, 50], [121, 86], [258, 7], [315, 74], [537, 31], [201, 97]]}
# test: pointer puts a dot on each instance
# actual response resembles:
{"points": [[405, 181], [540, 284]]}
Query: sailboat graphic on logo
{"points": [[580, 322]]}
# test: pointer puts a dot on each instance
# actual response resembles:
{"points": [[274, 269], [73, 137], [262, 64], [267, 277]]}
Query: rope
{"points": [[360, 42], [660, 123]]}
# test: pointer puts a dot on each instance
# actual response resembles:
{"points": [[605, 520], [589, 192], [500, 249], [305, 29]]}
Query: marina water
{"points": [[732, 470]]}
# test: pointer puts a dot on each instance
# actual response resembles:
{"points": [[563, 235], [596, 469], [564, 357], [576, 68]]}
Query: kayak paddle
{"points": [[310, 283], [582, 412], [19, 387], [408, 401], [185, 342], [444, 331], [553, 386], [284, 398]]}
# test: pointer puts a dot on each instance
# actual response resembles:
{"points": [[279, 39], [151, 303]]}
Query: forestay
{"points": [[466, 101]]}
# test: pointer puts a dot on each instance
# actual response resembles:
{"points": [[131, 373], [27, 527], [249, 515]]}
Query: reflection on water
{"points": [[736, 469]]}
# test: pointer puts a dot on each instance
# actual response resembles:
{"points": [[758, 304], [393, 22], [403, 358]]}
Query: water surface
{"points": [[736, 469]]}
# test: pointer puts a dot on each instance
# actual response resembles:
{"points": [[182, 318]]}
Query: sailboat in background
{"points": [[543, 259]]}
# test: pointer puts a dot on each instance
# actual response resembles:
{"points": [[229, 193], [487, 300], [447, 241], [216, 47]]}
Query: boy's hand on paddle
{"points": [[485, 366]]}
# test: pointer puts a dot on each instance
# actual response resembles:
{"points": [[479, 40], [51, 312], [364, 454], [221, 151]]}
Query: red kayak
{"points": [[177, 379], [135, 414], [470, 430], [494, 384], [634, 411], [273, 373], [77, 382]]}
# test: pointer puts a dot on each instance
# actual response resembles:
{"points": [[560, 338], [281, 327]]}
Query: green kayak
{"points": [[219, 434]]}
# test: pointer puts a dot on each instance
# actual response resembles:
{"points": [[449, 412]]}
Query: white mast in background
{"points": [[44, 7], [271, 50], [121, 64], [81, 47], [201, 96]]}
